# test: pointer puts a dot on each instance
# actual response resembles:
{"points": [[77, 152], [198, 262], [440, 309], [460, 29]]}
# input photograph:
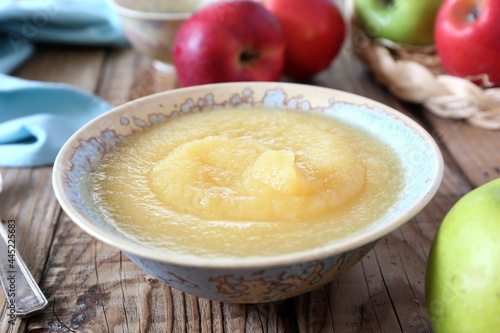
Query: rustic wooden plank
{"points": [[234, 317], [352, 309], [268, 317], [253, 320], [27, 199], [78, 66], [217, 317], [73, 265], [205, 310], [385, 315], [476, 150], [89, 286]]}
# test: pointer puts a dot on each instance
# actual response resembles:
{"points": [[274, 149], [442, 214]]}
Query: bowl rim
{"points": [[143, 15], [350, 243]]}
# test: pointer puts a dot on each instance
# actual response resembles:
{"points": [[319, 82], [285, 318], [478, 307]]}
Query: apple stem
{"points": [[385, 3], [248, 55]]}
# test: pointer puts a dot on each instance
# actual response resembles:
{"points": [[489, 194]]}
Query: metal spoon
{"points": [[24, 297]]}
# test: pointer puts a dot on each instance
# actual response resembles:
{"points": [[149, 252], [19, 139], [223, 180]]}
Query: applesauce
{"points": [[246, 182]]}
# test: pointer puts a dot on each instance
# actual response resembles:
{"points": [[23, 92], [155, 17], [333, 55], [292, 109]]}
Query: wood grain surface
{"points": [[92, 287]]}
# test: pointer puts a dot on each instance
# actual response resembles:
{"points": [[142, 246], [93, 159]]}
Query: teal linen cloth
{"points": [[10, 60], [82, 22], [37, 118]]}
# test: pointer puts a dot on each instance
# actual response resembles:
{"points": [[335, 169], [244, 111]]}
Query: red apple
{"points": [[229, 41], [467, 37], [314, 33]]}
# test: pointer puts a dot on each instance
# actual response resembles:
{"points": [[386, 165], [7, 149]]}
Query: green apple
{"points": [[401, 21], [463, 270]]}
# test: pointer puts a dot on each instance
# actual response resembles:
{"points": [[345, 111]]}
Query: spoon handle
{"points": [[24, 297]]}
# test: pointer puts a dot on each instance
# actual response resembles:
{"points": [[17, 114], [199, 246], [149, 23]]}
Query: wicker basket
{"points": [[415, 75]]}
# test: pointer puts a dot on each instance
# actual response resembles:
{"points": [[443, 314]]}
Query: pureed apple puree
{"points": [[251, 182]]}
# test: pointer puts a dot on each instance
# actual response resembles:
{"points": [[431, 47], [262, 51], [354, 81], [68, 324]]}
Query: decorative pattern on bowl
{"points": [[249, 280]]}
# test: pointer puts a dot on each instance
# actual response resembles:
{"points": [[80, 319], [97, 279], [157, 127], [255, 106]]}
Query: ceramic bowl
{"points": [[151, 25], [261, 279]]}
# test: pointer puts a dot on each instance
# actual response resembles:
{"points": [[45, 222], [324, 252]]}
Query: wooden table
{"points": [[92, 287]]}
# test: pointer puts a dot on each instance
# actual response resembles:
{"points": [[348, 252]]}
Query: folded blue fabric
{"points": [[83, 22], [10, 60], [37, 118], [77, 22]]}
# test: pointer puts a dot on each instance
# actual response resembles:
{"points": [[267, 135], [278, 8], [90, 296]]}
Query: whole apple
{"points": [[402, 21], [314, 32], [229, 41], [463, 269], [467, 35]]}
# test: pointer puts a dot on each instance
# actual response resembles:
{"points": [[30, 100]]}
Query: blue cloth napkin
{"points": [[37, 118], [10, 59], [83, 22], [77, 22]]}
